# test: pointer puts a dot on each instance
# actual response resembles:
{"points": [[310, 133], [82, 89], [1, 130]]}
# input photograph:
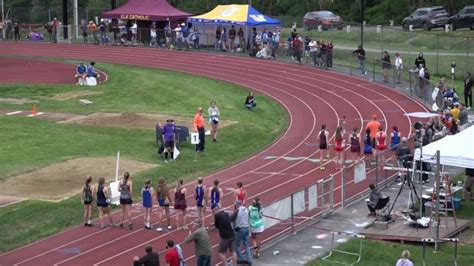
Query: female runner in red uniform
{"points": [[339, 147], [381, 145]]}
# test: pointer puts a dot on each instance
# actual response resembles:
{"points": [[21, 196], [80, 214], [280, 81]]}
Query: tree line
{"points": [[376, 11]]}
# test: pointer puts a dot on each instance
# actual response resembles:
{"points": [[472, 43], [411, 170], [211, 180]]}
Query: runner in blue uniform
{"points": [[201, 200], [215, 194], [394, 139], [147, 192]]}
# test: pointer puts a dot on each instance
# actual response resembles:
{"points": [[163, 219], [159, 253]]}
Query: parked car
{"points": [[426, 18], [326, 19], [463, 19]]}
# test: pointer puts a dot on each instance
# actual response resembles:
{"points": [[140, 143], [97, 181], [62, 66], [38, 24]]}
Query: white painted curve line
{"points": [[37, 114], [14, 113]]}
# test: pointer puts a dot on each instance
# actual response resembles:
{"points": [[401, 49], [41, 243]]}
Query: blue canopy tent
{"points": [[241, 15]]}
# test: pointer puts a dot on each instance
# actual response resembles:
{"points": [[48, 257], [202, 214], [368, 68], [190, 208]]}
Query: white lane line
{"points": [[14, 113], [37, 114]]}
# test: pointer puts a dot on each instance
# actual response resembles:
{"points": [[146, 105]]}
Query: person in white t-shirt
{"points": [[398, 67], [134, 30], [179, 36], [313, 51]]}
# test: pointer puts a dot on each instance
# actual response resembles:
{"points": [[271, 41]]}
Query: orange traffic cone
{"points": [[34, 111]]}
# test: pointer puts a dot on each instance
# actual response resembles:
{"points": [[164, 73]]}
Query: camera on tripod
{"points": [[407, 161]]}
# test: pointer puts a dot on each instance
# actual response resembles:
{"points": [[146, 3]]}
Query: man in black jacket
{"points": [[150, 259], [420, 60], [360, 53], [468, 91]]}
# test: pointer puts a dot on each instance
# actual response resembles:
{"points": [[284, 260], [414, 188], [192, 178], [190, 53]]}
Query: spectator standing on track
{"points": [[215, 194], [398, 67], [241, 35], [49, 30], [323, 137], [134, 31], [102, 31], [103, 201], [164, 201], [386, 66], [297, 48], [420, 61], [202, 243], [169, 138], [323, 49], [403, 152], [55, 24], [240, 218], [93, 30], [214, 115], [195, 35], [172, 257], [313, 50], [250, 103], [405, 259], [232, 34], [224, 39], [16, 31], [201, 200], [256, 225], [179, 36], [198, 125], [329, 54], [360, 53], [275, 42], [468, 90], [84, 29], [373, 125], [339, 148], [147, 201], [150, 259], [167, 31], [153, 36], [226, 234], [126, 199], [180, 204], [86, 200], [354, 140], [217, 43], [239, 192]]}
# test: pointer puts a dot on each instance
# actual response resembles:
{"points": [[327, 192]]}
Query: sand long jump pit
{"points": [[65, 179]]}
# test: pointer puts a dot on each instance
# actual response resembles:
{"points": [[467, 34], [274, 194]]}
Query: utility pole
{"points": [[113, 4], [65, 20], [362, 23], [76, 20], [250, 2]]}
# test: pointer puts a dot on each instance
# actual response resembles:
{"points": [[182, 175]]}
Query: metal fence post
{"points": [[377, 169], [467, 54], [292, 215], [437, 53], [373, 69], [343, 186]]}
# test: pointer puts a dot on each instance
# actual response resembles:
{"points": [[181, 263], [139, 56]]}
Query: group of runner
{"points": [[204, 197], [374, 142]]}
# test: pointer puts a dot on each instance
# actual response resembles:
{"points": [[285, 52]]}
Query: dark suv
{"points": [[463, 19], [426, 18]]}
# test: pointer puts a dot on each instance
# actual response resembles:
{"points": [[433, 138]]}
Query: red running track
{"points": [[310, 96]]}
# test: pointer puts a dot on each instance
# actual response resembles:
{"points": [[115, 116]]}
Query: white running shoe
{"points": [[159, 229]]}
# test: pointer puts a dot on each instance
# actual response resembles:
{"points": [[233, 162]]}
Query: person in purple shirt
{"points": [[169, 136]]}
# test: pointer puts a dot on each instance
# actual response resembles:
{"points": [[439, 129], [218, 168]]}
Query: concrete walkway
{"points": [[314, 241]]}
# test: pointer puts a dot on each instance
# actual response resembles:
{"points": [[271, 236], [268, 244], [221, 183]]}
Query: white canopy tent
{"points": [[455, 150]]}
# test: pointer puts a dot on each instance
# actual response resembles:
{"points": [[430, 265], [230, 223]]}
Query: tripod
{"points": [[408, 182]]}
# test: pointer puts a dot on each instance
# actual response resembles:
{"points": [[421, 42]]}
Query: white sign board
{"points": [[194, 138], [114, 193], [359, 172]]}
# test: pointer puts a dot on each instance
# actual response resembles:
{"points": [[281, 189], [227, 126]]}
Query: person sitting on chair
{"points": [[250, 102], [374, 198], [91, 72], [80, 73]]}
